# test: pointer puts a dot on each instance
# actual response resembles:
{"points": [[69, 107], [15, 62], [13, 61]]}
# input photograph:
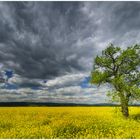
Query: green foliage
{"points": [[99, 77], [113, 94], [120, 68]]}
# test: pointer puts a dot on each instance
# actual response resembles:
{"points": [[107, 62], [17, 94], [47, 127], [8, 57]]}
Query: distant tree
{"points": [[121, 69]]}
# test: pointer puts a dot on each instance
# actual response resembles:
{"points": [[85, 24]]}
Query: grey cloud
{"points": [[68, 94], [116, 20], [48, 39], [67, 80], [25, 82], [42, 38], [57, 41]]}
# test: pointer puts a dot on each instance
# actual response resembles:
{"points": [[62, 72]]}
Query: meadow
{"points": [[68, 122]]}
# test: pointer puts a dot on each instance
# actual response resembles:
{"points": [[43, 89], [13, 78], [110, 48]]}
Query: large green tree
{"points": [[120, 68]]}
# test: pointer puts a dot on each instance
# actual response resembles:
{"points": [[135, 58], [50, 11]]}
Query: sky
{"points": [[47, 48]]}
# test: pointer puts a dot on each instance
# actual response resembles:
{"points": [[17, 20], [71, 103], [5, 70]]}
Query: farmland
{"points": [[68, 122]]}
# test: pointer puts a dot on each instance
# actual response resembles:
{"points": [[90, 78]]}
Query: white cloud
{"points": [[65, 88], [70, 93], [66, 79]]}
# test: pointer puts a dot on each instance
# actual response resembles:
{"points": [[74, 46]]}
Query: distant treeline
{"points": [[12, 104]]}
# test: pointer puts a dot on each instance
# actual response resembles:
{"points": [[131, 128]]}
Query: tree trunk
{"points": [[125, 110], [124, 100], [124, 107]]}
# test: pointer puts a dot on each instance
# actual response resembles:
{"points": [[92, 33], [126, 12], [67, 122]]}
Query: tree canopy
{"points": [[120, 68]]}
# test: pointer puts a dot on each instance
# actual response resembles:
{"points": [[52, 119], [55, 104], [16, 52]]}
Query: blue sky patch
{"points": [[85, 82], [9, 73], [10, 86]]}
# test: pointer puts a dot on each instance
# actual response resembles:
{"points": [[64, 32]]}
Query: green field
{"points": [[68, 122]]}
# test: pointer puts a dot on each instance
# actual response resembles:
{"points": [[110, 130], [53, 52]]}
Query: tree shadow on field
{"points": [[135, 117]]}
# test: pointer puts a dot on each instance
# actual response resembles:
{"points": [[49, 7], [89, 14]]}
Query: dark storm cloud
{"points": [[57, 41], [37, 39], [48, 39], [118, 22]]}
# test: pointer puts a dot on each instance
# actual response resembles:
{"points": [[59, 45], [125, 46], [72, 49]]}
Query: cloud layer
{"points": [[50, 46]]}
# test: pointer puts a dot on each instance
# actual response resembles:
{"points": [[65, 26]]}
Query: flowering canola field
{"points": [[68, 122]]}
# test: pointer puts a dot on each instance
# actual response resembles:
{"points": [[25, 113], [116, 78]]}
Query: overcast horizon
{"points": [[47, 48]]}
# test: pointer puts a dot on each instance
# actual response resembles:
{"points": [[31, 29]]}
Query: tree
{"points": [[121, 69]]}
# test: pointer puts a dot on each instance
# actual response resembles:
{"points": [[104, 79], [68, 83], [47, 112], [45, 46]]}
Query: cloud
{"points": [[45, 40], [25, 82], [36, 35], [67, 90], [56, 42], [68, 94], [66, 80], [117, 21]]}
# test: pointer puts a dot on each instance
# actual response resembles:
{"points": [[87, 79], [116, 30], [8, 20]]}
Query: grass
{"points": [[68, 122]]}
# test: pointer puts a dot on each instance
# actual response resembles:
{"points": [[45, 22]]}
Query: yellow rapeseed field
{"points": [[68, 122]]}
